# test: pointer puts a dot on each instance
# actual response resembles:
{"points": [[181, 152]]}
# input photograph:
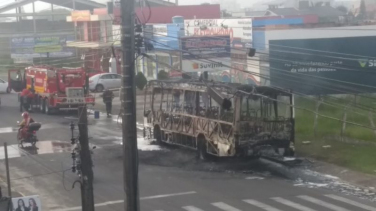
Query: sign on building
{"points": [[324, 66], [239, 30], [205, 47], [160, 30], [29, 203], [40, 47], [81, 15], [205, 53]]}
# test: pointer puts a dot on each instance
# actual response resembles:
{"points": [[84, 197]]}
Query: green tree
{"points": [[141, 81], [342, 9], [163, 75], [362, 10]]}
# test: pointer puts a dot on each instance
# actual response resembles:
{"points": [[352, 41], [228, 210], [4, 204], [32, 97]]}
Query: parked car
{"points": [[4, 88], [104, 81]]}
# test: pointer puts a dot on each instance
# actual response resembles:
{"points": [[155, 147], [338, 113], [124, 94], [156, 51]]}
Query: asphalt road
{"points": [[171, 179]]}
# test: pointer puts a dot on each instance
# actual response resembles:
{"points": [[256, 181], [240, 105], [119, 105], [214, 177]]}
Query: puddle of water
{"points": [[142, 144]]}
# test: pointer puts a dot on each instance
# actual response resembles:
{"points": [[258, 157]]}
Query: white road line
{"points": [[224, 206], [192, 208], [292, 204], [351, 202], [122, 201], [261, 205], [323, 203], [167, 195]]}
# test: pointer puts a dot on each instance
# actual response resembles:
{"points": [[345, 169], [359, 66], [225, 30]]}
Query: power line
{"points": [[260, 76]]}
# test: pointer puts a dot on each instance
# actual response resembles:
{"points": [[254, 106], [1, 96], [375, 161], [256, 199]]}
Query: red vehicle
{"points": [[57, 88]]}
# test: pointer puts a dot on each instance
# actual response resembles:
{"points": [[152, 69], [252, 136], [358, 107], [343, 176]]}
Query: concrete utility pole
{"points": [[87, 195], [128, 92]]}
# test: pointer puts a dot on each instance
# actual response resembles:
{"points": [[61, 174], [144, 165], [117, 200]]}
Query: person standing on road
{"points": [[23, 98], [108, 96]]}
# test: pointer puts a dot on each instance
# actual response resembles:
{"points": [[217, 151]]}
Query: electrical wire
{"points": [[282, 89]]}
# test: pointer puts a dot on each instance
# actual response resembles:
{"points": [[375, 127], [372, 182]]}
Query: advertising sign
{"points": [[83, 15], [31, 203], [160, 30], [205, 47], [200, 66], [36, 47], [239, 30], [324, 66]]}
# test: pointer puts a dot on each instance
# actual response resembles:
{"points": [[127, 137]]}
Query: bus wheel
{"points": [[157, 135], [202, 152]]}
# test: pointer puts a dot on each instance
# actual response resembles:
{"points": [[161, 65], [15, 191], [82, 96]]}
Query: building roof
{"points": [[79, 4], [255, 13], [284, 11], [323, 11]]}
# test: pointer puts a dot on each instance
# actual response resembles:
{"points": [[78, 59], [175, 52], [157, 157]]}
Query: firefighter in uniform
{"points": [[108, 96]]}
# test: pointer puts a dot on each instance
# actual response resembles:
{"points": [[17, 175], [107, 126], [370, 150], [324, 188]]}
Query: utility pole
{"points": [[8, 173], [87, 195], [128, 92]]}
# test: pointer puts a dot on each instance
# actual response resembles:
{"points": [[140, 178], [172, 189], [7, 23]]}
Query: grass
{"points": [[356, 156]]}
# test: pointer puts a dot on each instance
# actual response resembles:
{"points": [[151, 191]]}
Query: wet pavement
{"points": [[45, 170]]}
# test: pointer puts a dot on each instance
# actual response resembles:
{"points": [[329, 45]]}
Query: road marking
{"points": [[122, 201], [224, 206], [351, 202], [167, 195], [323, 203], [192, 208], [261, 205], [292, 204]]}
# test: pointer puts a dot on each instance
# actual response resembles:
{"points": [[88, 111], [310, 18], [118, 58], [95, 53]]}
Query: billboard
{"points": [[205, 47], [239, 30], [203, 65], [80, 16], [27, 203], [39, 47], [324, 66]]}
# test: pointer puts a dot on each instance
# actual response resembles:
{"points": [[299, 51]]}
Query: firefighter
{"points": [[108, 96], [26, 98]]}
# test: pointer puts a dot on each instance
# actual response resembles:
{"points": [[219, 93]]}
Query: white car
{"points": [[104, 81], [4, 88]]}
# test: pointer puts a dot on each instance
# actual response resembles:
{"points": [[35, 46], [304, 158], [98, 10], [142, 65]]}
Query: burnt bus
{"points": [[220, 119]]}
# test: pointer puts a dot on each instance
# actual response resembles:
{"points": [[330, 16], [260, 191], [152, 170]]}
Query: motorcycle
{"points": [[31, 136]]}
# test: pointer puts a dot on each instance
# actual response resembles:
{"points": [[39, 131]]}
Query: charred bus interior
{"points": [[219, 119]]}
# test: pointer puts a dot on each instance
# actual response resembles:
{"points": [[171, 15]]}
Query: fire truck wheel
{"points": [[202, 153], [99, 88]]}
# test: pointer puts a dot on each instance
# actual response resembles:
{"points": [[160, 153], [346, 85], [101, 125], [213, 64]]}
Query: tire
{"points": [[34, 140], [99, 88], [202, 153], [157, 135], [9, 90]]}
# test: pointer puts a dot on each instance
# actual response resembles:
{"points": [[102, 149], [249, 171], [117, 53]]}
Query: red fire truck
{"points": [[57, 88]]}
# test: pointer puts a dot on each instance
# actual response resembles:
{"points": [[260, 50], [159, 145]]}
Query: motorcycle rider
{"points": [[24, 125]]}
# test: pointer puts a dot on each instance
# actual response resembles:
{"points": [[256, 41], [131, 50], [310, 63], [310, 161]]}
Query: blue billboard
{"points": [[41, 46]]}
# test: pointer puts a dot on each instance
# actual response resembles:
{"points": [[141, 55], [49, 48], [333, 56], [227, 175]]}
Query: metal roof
{"points": [[79, 4]]}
